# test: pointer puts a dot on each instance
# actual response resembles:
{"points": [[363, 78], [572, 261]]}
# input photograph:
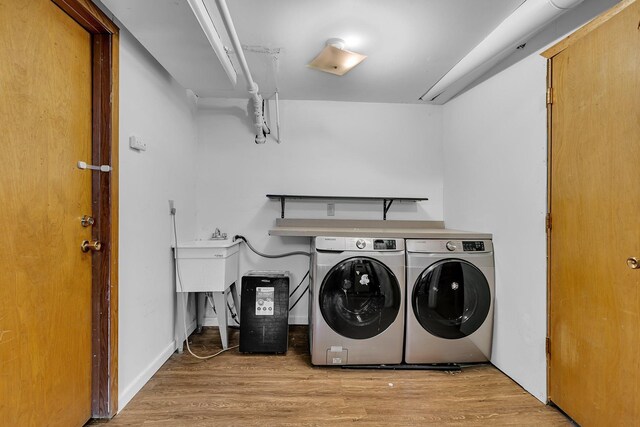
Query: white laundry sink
{"points": [[206, 265]]}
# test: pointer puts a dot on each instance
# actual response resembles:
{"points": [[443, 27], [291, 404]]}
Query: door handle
{"points": [[94, 245], [633, 263]]}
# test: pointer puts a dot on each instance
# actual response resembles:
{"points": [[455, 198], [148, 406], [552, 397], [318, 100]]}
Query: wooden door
{"points": [[46, 281], [594, 317]]}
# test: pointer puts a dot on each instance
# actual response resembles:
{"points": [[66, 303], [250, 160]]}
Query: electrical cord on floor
{"points": [[244, 239], [185, 296]]}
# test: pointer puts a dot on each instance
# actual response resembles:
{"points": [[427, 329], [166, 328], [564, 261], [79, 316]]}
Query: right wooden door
{"points": [[594, 293]]}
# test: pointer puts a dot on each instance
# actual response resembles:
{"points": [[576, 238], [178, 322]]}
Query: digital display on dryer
{"points": [[384, 244], [473, 246]]}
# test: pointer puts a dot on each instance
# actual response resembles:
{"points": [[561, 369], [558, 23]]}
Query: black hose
{"points": [[244, 239]]}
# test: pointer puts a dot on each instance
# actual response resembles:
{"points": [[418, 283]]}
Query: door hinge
{"points": [[548, 222], [549, 95], [547, 345]]}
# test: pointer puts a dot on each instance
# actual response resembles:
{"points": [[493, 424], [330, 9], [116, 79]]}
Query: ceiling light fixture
{"points": [[335, 59]]}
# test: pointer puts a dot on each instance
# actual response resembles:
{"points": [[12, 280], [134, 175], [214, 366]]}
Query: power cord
{"points": [[244, 239], [234, 313], [294, 291], [299, 298], [185, 296], [303, 292]]}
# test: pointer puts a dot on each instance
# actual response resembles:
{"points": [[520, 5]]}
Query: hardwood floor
{"points": [[235, 389]]}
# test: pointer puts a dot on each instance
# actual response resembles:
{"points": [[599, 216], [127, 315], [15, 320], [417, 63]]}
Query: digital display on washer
{"points": [[472, 246], [384, 244]]}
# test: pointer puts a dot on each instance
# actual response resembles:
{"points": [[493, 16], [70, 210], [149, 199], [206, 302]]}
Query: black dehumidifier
{"points": [[264, 316]]}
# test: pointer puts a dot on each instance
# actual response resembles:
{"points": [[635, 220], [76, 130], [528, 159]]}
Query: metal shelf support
{"points": [[386, 201]]}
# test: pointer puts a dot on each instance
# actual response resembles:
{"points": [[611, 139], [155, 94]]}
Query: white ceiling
{"points": [[410, 43]]}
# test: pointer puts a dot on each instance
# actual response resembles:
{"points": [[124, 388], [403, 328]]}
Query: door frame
{"points": [[104, 328]]}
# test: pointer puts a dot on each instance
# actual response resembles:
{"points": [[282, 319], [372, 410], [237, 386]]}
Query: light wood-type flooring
{"points": [[235, 389]]}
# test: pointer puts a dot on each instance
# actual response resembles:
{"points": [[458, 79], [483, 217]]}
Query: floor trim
{"points": [[141, 380]]}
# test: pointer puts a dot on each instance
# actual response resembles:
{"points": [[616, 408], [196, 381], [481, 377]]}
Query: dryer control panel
{"points": [[448, 246], [475, 246]]}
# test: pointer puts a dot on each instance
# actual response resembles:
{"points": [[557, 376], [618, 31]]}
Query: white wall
{"points": [[328, 148], [495, 180], [155, 108]]}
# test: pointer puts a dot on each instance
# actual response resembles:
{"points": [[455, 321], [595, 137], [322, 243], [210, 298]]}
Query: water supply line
{"points": [[277, 118], [276, 69], [262, 130]]}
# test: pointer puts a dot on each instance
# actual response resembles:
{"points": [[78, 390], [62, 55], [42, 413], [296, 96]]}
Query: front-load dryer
{"points": [[356, 301], [450, 297]]}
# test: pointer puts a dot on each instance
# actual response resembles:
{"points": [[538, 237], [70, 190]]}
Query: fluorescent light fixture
{"points": [[206, 23], [516, 29], [335, 59]]}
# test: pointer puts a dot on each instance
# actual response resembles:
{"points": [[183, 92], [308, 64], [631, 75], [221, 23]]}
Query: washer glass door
{"points": [[360, 298], [451, 298]]}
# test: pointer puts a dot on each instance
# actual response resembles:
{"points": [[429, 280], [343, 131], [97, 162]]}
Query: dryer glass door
{"points": [[360, 298], [451, 298]]}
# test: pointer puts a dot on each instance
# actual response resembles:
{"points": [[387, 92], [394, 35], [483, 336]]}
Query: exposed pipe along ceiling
{"points": [[513, 32], [204, 18]]}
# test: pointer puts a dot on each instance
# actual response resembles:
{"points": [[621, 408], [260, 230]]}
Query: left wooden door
{"points": [[45, 278]]}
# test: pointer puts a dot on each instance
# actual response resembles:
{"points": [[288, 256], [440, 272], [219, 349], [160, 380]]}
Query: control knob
{"points": [[451, 246], [361, 243]]}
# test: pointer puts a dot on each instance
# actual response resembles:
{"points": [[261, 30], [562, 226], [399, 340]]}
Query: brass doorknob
{"points": [[94, 245], [633, 263]]}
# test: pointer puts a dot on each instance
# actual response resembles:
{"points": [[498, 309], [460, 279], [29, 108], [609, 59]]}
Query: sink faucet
{"points": [[217, 235]]}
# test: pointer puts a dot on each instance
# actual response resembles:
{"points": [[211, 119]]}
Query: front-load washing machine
{"points": [[356, 301], [450, 296]]}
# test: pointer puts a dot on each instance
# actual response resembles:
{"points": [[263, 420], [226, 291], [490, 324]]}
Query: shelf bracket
{"points": [[385, 208], [282, 199]]}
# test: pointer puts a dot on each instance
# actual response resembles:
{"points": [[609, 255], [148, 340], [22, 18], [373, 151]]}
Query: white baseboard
{"points": [[298, 320], [125, 396]]}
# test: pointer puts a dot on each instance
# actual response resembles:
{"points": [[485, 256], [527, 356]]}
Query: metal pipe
{"points": [[204, 19], [528, 19], [235, 42], [252, 87], [277, 119]]}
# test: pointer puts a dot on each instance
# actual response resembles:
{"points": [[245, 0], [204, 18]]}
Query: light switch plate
{"points": [[137, 144], [331, 209]]}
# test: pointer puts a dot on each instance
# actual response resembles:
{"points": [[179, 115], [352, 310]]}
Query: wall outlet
{"points": [[331, 209], [137, 144], [172, 207]]}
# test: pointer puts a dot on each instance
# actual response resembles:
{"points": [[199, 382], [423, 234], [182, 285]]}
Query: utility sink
{"points": [[206, 265]]}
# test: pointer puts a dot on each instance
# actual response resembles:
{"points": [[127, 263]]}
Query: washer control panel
{"points": [[358, 244]]}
